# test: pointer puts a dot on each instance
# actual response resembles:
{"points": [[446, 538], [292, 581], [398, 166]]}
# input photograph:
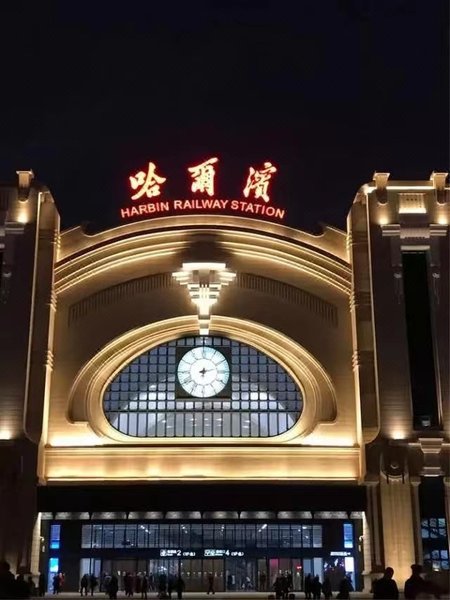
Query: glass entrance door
{"points": [[240, 574], [293, 568], [213, 568], [191, 572]]}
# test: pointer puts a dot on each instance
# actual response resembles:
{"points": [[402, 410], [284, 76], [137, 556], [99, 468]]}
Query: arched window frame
{"points": [[145, 399], [85, 402]]}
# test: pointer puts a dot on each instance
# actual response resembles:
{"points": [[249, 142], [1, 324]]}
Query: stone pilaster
{"points": [[36, 546], [373, 521], [415, 482], [367, 553], [398, 526]]}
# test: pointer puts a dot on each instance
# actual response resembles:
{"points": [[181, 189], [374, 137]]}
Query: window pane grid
{"points": [[195, 535], [263, 399]]}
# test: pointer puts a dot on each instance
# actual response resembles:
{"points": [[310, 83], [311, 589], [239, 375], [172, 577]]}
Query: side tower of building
{"points": [[29, 226], [399, 251]]}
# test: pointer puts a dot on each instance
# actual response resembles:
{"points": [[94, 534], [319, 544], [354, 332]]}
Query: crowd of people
{"points": [[140, 584], [19, 586], [313, 587], [165, 585]]}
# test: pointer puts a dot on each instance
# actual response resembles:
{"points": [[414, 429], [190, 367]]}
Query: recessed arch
{"points": [[203, 386], [86, 396]]}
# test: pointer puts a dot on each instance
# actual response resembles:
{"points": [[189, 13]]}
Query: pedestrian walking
{"points": [[385, 588]]}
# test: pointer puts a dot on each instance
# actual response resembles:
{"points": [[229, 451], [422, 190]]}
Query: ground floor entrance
{"points": [[207, 535], [226, 574], [233, 555]]}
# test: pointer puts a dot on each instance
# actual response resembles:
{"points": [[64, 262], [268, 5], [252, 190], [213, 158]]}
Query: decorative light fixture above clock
{"points": [[204, 281]]}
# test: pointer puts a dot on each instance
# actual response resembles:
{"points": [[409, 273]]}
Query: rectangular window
{"points": [[142, 537], [250, 536], [261, 535], [272, 533], [433, 528], [240, 536], [174, 536], [219, 531], [229, 535], [348, 535], [86, 532], [212, 535], [55, 537], [119, 536], [420, 339], [185, 535], [130, 536], [97, 531], [306, 536], [108, 535], [317, 535], [53, 565], [164, 540], [296, 534], [285, 536]]}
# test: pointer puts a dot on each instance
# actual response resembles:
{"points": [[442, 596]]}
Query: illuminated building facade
{"points": [[216, 393]]}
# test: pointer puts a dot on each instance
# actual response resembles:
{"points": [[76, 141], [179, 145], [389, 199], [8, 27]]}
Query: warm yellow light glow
{"points": [[442, 219], [329, 439], [85, 402], [383, 220], [23, 216], [221, 463], [75, 439], [398, 434], [79, 254], [98, 267], [6, 434], [204, 282]]}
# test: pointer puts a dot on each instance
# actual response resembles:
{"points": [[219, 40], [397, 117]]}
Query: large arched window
{"points": [[203, 386]]}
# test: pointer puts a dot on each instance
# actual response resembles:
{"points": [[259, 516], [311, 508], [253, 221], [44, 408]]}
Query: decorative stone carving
{"points": [[204, 281], [431, 448]]}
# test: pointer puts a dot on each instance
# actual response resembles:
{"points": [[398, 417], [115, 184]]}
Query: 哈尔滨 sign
{"points": [[147, 199]]}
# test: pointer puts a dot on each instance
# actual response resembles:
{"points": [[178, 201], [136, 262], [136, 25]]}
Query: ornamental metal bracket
{"points": [[204, 281]]}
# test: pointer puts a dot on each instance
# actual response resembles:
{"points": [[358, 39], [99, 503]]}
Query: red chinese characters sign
{"points": [[149, 184]]}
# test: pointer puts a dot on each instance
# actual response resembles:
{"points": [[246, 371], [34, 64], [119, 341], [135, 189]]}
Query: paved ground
{"points": [[203, 596], [218, 596]]}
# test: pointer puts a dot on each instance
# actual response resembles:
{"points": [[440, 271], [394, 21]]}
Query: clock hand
{"points": [[203, 371]]}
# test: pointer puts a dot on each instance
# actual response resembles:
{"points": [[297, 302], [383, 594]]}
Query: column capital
{"points": [[415, 480], [372, 480]]}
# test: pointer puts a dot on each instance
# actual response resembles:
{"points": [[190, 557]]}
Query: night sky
{"points": [[329, 91]]}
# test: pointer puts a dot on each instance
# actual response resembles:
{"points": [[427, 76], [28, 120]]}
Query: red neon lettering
{"points": [[203, 176], [149, 183], [202, 204], [258, 181]]}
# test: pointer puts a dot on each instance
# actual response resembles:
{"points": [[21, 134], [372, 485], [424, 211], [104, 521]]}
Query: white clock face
{"points": [[203, 372]]}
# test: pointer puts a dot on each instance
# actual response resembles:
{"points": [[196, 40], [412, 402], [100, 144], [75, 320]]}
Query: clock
{"points": [[203, 372]]}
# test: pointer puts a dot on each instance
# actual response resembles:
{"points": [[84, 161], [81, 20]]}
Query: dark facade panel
{"points": [[200, 497], [420, 340]]}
